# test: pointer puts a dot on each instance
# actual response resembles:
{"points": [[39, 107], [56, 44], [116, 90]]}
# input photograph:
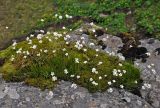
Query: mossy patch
{"points": [[44, 60]]}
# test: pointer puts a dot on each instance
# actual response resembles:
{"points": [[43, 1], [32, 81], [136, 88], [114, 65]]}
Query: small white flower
{"points": [[25, 57], [91, 23], [120, 74], [45, 51], [56, 15], [152, 64], [124, 71], [38, 54], [34, 46], [113, 81], [96, 55], [91, 44], [120, 64], [63, 28], [84, 50], [60, 17], [110, 90], [76, 60], [91, 79], [99, 63], [66, 54], [93, 30], [105, 75], [6, 27], [52, 74], [40, 41], [31, 35], [85, 62], [149, 66], [78, 76], [42, 20], [72, 76], [121, 86], [97, 50], [64, 49], [74, 86], [100, 77], [109, 83], [14, 43], [65, 71], [54, 78], [54, 51], [136, 81]]}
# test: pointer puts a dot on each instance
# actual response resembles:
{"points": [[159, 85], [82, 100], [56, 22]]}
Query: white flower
{"points": [[91, 44], [74, 86], [80, 30], [119, 70], [149, 66], [63, 27], [40, 41], [56, 15], [105, 75], [120, 64], [91, 23], [27, 52], [76, 60], [109, 83], [93, 30], [42, 31], [31, 35], [34, 46], [94, 71], [30, 42], [14, 43], [54, 51], [6, 27], [60, 17], [67, 16], [65, 71], [66, 54], [96, 55], [49, 40], [85, 62], [50, 93], [110, 90], [42, 20], [25, 57], [39, 36], [152, 64], [54, 78], [27, 39], [64, 49], [99, 63], [91, 79], [97, 50], [113, 81], [124, 71], [38, 54], [100, 77], [78, 76], [84, 50], [45, 51], [136, 82], [120, 74], [72, 76], [94, 83], [52, 74], [12, 59], [121, 86]]}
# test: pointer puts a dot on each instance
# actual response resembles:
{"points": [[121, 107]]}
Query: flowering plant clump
{"points": [[44, 59]]}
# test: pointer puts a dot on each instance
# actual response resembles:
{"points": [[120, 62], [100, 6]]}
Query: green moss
{"points": [[36, 71]]}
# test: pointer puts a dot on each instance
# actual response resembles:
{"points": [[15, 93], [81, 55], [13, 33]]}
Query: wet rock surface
{"points": [[18, 95]]}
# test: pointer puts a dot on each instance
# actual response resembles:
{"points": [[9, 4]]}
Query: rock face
{"points": [[18, 95]]}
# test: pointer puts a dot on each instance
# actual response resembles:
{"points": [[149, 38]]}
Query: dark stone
{"points": [[157, 50], [1, 61]]}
